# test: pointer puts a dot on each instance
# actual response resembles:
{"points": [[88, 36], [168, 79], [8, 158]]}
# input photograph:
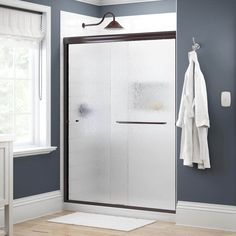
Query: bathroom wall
{"points": [[213, 23], [71, 25], [142, 8], [40, 174]]}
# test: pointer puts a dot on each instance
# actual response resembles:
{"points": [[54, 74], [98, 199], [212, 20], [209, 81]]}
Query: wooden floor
{"points": [[40, 227]]}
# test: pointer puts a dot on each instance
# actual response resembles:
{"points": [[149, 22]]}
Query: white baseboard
{"points": [[33, 207], [205, 215], [151, 215]]}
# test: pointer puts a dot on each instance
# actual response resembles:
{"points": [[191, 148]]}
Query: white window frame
{"points": [[45, 146]]}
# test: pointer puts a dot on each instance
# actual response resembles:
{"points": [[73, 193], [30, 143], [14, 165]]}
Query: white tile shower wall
{"points": [[71, 24]]}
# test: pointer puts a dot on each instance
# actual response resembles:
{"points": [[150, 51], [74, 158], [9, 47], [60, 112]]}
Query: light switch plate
{"points": [[225, 99]]}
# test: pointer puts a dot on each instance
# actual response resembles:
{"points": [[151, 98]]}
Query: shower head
{"points": [[112, 25]]}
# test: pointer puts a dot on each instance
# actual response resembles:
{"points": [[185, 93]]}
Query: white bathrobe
{"points": [[193, 117]]}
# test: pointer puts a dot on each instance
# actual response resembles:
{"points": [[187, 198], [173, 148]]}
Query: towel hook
{"points": [[195, 45]]}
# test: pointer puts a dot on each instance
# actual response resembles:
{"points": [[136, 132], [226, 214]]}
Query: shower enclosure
{"points": [[120, 120]]}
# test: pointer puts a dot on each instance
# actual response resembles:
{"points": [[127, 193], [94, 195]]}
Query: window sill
{"points": [[33, 151]]}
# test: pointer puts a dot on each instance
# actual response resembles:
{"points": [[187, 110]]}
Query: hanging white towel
{"points": [[193, 117]]}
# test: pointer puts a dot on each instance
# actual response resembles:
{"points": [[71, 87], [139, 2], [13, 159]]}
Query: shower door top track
{"points": [[100, 39], [119, 38]]}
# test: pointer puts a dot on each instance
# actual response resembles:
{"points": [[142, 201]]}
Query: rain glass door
{"points": [[121, 123]]}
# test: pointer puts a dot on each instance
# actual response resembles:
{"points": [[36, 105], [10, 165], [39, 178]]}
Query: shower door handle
{"points": [[141, 123], [84, 110]]}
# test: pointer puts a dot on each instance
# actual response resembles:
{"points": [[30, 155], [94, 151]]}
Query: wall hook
{"points": [[195, 45]]}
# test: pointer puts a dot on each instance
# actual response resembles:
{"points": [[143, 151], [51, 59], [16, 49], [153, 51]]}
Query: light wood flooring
{"points": [[40, 227]]}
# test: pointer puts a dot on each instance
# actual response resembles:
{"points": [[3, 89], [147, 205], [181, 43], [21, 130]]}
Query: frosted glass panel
{"points": [[110, 160], [143, 90], [2, 174], [119, 135], [89, 116]]}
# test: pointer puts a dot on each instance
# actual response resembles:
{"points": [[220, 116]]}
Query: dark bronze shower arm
{"points": [[100, 22]]}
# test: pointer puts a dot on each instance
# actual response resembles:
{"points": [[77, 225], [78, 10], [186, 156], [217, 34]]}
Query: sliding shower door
{"points": [[121, 123], [89, 122]]}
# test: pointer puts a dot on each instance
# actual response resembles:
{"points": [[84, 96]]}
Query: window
{"points": [[18, 91], [25, 80]]}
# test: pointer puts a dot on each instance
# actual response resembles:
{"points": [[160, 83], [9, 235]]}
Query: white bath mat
{"points": [[102, 221]]}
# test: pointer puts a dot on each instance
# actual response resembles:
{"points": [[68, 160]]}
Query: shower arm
{"points": [[100, 22]]}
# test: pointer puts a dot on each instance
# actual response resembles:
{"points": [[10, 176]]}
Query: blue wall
{"points": [[165, 6], [213, 23], [40, 174]]}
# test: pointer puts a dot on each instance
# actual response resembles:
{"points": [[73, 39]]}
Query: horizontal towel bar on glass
{"points": [[140, 123]]}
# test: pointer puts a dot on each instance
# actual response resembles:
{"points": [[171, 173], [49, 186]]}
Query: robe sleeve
{"points": [[201, 101], [180, 120]]}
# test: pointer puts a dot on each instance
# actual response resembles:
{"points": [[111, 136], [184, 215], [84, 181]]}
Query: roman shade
{"points": [[21, 24]]}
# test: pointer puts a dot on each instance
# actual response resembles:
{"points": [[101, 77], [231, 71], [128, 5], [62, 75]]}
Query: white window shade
{"points": [[17, 23]]}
